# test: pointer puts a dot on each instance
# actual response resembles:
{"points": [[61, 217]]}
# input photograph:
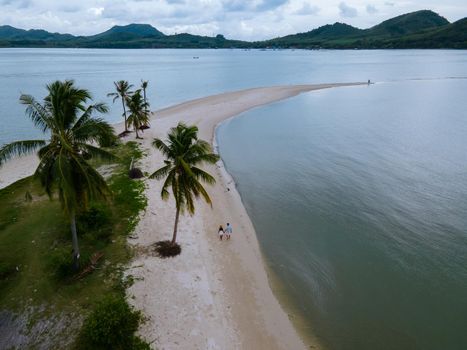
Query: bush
{"points": [[60, 263], [112, 325], [96, 222], [165, 249], [6, 270]]}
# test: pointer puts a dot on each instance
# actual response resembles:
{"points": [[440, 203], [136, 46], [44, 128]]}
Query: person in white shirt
{"points": [[228, 231]]}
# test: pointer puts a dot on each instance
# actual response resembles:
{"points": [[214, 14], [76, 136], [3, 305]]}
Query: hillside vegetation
{"points": [[420, 29]]}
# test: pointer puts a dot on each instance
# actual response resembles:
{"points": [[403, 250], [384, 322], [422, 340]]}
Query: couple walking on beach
{"points": [[227, 232]]}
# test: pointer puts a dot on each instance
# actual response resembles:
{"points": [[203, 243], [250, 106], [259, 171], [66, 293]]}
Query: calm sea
{"points": [[361, 205]]}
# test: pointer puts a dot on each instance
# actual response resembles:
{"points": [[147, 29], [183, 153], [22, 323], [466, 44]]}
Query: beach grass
{"points": [[35, 240]]}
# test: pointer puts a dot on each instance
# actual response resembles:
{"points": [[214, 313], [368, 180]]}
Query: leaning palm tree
{"points": [[74, 137], [183, 153], [144, 86], [138, 111], [123, 91]]}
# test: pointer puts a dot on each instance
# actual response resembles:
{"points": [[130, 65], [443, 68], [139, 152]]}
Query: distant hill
{"points": [[134, 30], [420, 29], [316, 36], [409, 23], [12, 33]]}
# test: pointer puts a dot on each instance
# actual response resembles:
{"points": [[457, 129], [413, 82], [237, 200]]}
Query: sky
{"points": [[235, 19]]}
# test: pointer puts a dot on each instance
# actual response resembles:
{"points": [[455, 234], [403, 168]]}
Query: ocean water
{"points": [[358, 195], [174, 76], [359, 199]]}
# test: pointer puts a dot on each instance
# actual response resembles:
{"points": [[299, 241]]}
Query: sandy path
{"points": [[215, 295]]}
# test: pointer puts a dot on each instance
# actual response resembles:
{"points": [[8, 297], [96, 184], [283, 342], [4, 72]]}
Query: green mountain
{"points": [[12, 33], [452, 36], [420, 29], [405, 31], [407, 24], [131, 30], [315, 37]]}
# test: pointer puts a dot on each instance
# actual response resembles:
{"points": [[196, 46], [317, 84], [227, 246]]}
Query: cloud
{"points": [[236, 5], [371, 9], [236, 19], [96, 11], [307, 9], [347, 11], [267, 5]]}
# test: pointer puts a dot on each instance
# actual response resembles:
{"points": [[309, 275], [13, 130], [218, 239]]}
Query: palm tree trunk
{"points": [[74, 237], [145, 105], [124, 113], [177, 215]]}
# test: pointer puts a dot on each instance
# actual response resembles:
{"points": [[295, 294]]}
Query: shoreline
{"points": [[216, 294]]}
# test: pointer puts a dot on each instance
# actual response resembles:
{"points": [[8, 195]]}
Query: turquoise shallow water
{"points": [[358, 195]]}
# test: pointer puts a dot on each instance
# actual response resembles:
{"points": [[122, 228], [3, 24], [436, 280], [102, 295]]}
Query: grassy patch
{"points": [[35, 244]]}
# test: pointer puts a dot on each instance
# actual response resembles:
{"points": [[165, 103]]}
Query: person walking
{"points": [[228, 231], [221, 232]]}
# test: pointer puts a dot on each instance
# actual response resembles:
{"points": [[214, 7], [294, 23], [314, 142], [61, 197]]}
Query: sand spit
{"points": [[215, 295]]}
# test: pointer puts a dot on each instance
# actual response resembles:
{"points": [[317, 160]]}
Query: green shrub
{"points": [[6, 270], [96, 223], [112, 325], [60, 262]]}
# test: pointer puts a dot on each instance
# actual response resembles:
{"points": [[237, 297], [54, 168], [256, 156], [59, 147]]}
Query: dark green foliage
{"points": [[112, 325], [167, 249], [60, 263], [34, 238], [7, 269], [128, 194], [96, 222]]}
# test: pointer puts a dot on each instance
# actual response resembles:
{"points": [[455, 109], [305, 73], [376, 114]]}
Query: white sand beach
{"points": [[216, 294]]}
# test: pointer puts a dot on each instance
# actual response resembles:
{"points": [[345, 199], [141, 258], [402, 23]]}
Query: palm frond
{"points": [[202, 175], [162, 146], [39, 114], [161, 173], [19, 148], [99, 153]]}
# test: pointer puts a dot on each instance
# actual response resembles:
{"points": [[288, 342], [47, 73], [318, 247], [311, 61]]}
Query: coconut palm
{"points": [[123, 91], [144, 86], [74, 137], [138, 111], [183, 153]]}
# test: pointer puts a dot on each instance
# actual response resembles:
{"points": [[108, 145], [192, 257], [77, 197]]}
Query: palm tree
{"points": [[183, 152], [123, 92], [74, 134], [138, 111], [144, 86]]}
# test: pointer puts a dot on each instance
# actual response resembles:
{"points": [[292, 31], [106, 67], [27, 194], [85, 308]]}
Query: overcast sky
{"points": [[236, 19]]}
